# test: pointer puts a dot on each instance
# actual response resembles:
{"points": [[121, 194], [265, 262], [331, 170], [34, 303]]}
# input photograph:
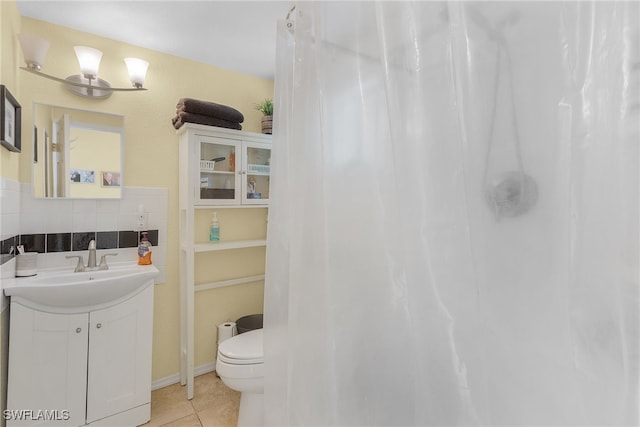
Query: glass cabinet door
{"points": [[256, 168], [219, 182]]}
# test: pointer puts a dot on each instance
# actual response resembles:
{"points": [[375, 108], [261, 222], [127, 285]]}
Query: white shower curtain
{"points": [[453, 229]]}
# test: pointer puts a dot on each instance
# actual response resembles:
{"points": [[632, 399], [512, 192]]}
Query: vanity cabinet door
{"points": [[119, 368], [47, 368]]}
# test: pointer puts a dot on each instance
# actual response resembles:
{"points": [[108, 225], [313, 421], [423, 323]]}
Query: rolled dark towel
{"points": [[182, 118], [211, 109]]}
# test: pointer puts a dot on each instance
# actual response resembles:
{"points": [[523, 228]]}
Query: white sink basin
{"points": [[69, 292]]}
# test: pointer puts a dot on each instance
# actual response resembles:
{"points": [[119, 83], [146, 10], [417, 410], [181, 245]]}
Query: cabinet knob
{"points": [[99, 325], [78, 330]]}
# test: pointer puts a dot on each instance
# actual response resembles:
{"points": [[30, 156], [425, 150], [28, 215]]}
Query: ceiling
{"points": [[237, 35]]}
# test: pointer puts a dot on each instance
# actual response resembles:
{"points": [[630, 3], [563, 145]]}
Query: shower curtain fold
{"points": [[396, 293]]}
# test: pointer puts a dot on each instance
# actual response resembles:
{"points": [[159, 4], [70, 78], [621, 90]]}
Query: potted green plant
{"points": [[266, 108]]}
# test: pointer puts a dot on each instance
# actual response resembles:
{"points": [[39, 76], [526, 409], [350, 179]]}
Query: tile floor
{"points": [[213, 405]]}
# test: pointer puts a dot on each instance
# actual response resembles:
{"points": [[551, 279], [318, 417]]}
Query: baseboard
{"points": [[175, 378]]}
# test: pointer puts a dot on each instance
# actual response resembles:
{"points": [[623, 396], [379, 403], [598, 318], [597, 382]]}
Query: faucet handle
{"points": [[103, 261], [80, 265]]}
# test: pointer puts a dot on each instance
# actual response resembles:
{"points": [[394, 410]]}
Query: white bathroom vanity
{"points": [[74, 365]]}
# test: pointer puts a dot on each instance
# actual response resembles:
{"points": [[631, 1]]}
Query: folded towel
{"points": [[182, 118], [206, 108]]}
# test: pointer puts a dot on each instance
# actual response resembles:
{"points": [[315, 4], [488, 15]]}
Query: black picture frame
{"points": [[10, 120]]}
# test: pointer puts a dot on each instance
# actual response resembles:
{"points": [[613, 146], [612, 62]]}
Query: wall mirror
{"points": [[77, 154]]}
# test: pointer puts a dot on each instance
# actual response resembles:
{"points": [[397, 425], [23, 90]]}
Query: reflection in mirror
{"points": [[77, 154]]}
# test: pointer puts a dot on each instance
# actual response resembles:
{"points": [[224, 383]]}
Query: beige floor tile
{"points": [[225, 415], [188, 421], [213, 405], [210, 391], [169, 404]]}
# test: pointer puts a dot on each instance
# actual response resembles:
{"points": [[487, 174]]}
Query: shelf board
{"points": [[223, 246], [218, 172], [232, 282], [265, 206]]}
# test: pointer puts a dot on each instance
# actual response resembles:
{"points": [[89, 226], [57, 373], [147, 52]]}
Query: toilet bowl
{"points": [[240, 365]]}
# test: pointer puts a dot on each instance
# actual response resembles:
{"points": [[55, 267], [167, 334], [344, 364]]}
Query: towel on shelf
{"points": [[211, 109], [182, 118]]}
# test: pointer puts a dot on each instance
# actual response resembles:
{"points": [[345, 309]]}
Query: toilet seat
{"points": [[243, 349]]}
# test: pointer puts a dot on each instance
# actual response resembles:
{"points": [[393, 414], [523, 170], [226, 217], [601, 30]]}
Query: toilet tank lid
{"points": [[246, 346]]}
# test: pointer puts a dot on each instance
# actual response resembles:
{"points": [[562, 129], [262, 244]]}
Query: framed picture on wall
{"points": [[111, 179], [10, 120], [82, 176]]}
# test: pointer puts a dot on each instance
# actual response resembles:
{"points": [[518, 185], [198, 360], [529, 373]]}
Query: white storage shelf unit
{"points": [[219, 169]]}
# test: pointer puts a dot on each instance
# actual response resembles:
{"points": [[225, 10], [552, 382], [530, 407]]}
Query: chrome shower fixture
{"points": [[511, 194]]}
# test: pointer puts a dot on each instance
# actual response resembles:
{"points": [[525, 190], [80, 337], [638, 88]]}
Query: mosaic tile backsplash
{"points": [[69, 242]]}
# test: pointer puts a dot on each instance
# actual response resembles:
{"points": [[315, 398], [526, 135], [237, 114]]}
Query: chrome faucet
{"points": [[91, 261], [80, 265], [103, 262]]}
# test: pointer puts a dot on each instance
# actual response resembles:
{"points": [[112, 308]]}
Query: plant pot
{"points": [[266, 124]]}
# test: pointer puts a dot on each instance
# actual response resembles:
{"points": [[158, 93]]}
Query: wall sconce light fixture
{"points": [[88, 84]]}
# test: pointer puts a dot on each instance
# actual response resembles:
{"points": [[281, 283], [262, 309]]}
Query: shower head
{"points": [[511, 194]]}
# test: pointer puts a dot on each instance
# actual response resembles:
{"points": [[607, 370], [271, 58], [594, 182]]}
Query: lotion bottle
{"points": [[214, 231]]}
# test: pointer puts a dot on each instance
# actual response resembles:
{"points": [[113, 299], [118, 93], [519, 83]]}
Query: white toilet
{"points": [[240, 365]]}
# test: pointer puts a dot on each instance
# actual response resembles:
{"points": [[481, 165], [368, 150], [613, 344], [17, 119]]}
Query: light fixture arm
{"points": [[78, 84]]}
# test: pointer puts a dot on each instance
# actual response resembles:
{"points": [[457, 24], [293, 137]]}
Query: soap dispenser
{"points": [[144, 250], [214, 231]]}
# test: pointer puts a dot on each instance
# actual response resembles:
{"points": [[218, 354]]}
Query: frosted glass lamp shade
{"points": [[137, 70], [89, 59], [87, 83], [34, 50]]}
